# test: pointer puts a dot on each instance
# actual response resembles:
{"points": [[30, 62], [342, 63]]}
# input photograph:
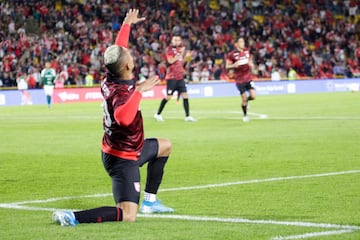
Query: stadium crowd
{"points": [[314, 38]]}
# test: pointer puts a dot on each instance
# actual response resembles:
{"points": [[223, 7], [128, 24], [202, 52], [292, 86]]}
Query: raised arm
{"points": [[122, 38]]}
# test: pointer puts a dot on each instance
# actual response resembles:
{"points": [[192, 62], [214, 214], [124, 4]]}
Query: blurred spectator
{"points": [[89, 78], [218, 72], [292, 75], [275, 75], [22, 86], [195, 74], [31, 80], [6, 80], [205, 74]]}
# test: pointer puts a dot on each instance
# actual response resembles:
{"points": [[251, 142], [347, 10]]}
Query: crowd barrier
{"points": [[199, 90]]}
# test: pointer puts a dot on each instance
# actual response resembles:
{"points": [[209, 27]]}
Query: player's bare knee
{"points": [[184, 95], [164, 147], [168, 146]]}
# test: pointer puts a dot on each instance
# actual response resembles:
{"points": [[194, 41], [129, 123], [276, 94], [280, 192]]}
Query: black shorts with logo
{"points": [[173, 85], [125, 174], [244, 87]]}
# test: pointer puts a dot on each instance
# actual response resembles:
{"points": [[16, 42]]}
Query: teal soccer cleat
{"points": [[154, 207], [64, 218]]}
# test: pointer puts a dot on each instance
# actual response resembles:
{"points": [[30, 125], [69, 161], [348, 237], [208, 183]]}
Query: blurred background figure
{"points": [[22, 85], [275, 75], [48, 76]]}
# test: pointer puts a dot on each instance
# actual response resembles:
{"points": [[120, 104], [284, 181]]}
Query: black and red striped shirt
{"points": [[123, 124], [242, 73]]}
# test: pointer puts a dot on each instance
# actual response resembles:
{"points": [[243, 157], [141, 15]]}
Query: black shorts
{"points": [[243, 87], [175, 85], [125, 174]]}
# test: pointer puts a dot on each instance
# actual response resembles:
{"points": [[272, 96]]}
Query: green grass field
{"points": [[293, 175]]}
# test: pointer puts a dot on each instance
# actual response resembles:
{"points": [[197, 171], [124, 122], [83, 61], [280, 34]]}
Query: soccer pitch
{"points": [[292, 172]]}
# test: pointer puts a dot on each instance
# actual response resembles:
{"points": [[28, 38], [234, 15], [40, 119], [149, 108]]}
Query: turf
{"points": [[221, 169]]}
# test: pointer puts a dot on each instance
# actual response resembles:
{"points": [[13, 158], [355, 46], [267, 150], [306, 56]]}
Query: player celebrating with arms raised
{"points": [[241, 61], [124, 148]]}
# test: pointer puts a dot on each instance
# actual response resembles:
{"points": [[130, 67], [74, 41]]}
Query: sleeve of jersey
{"points": [[125, 114], [122, 37]]}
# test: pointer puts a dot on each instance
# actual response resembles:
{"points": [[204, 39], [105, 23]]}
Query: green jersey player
{"points": [[48, 76]]}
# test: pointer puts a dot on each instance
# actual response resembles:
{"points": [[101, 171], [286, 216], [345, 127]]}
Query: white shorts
{"points": [[22, 85], [49, 90]]}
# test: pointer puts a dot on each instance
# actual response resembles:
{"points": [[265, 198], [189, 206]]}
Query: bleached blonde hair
{"points": [[113, 59]]}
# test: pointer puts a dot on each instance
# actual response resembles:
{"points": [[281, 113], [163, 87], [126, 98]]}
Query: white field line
{"points": [[261, 180], [63, 198], [341, 228], [317, 118], [221, 112], [199, 186], [235, 115], [73, 117], [21, 207], [195, 187], [244, 220], [313, 234], [201, 114]]}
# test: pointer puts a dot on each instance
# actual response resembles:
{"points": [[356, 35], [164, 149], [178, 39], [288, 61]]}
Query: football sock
{"points": [[244, 108], [250, 98], [48, 99], [155, 172], [98, 215], [151, 197], [162, 105], [186, 106]]}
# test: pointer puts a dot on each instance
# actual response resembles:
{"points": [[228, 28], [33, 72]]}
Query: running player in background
{"points": [[124, 148], [240, 61], [22, 85], [175, 54], [48, 76]]}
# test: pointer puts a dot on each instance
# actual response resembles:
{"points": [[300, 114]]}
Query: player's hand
{"points": [[132, 17], [236, 64], [148, 84]]}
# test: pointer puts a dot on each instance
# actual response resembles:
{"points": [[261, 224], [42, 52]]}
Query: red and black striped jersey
{"points": [[122, 121], [175, 70], [242, 73]]}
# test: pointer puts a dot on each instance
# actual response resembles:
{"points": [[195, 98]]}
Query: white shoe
{"points": [[245, 119], [158, 117], [190, 119]]}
